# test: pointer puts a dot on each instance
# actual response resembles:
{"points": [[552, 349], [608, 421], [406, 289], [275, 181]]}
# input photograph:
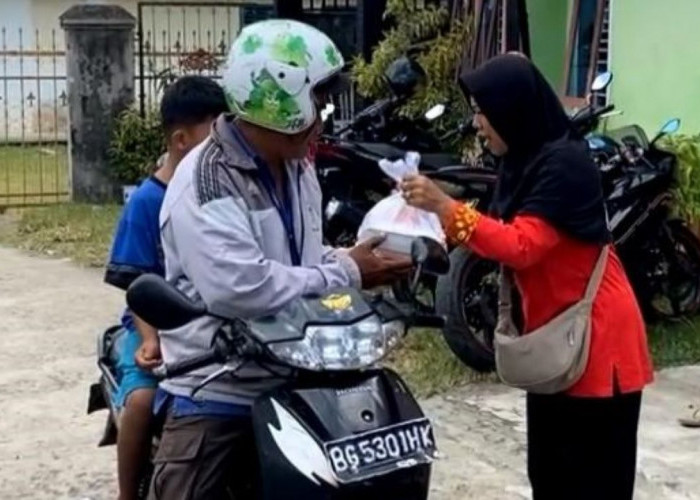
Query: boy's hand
{"points": [[148, 355]]}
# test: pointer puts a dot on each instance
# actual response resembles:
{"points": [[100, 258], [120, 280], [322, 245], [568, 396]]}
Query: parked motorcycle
{"points": [[380, 122], [347, 160], [660, 253], [342, 427]]}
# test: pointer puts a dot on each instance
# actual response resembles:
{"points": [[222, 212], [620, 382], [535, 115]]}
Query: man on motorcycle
{"points": [[188, 108], [242, 231]]}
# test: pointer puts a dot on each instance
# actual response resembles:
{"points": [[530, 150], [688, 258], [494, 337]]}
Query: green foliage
{"points": [[136, 144], [687, 148], [80, 232], [441, 43]]}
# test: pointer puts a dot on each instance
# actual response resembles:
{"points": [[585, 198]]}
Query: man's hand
{"points": [[379, 267], [148, 355]]}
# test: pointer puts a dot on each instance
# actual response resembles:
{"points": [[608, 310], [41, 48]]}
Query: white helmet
{"points": [[272, 70]]}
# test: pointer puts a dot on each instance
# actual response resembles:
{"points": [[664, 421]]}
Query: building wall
{"points": [[656, 62], [548, 21]]}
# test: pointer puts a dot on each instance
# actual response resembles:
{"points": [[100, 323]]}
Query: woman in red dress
{"points": [[548, 225]]}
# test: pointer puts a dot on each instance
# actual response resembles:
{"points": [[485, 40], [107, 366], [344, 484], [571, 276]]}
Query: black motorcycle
{"points": [[660, 253], [347, 159], [341, 427]]}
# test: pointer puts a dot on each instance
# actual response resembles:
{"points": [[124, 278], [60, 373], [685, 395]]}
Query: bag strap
{"points": [[597, 275], [504, 291]]}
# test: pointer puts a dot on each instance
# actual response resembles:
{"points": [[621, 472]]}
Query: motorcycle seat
{"points": [[382, 150], [429, 161], [436, 161]]}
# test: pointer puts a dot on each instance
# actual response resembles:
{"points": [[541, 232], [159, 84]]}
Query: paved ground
{"points": [[51, 312]]}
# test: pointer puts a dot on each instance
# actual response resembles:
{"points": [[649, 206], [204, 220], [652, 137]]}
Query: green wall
{"points": [[656, 62], [548, 20]]}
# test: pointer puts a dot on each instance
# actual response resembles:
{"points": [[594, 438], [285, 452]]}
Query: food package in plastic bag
{"points": [[394, 218]]}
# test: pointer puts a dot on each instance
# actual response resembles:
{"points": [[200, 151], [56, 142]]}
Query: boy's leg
{"points": [[135, 397], [134, 442]]}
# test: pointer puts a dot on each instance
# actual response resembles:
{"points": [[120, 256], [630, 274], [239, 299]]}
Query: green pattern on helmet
{"points": [[332, 56], [291, 49], [269, 104], [252, 44]]}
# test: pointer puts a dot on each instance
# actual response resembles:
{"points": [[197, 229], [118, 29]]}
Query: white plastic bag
{"points": [[392, 217]]}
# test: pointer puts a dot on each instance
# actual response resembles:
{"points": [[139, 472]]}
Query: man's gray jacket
{"points": [[225, 244]]}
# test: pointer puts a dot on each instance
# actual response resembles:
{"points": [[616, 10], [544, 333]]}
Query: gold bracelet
{"points": [[464, 219]]}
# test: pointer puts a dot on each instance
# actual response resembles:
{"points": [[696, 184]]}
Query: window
{"points": [[587, 50]]}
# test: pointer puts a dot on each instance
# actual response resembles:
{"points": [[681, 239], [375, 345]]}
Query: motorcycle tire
{"points": [[468, 298], [686, 254]]}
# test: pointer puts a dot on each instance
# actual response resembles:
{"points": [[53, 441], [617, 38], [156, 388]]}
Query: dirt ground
{"points": [[51, 312]]}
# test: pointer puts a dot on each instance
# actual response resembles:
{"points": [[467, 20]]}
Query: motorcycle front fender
{"points": [[292, 423]]}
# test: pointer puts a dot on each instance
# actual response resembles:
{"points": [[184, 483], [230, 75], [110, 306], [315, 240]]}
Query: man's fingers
{"points": [[373, 242]]}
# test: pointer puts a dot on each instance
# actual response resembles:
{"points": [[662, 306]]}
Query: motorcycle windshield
{"points": [[631, 135], [342, 306]]}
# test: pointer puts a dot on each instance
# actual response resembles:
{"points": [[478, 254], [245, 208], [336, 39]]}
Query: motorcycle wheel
{"points": [[468, 297], [678, 293]]}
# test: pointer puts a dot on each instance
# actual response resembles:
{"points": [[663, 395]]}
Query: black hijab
{"points": [[547, 170]]}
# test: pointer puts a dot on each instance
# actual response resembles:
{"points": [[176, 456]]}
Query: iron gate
{"points": [[33, 119], [179, 38]]}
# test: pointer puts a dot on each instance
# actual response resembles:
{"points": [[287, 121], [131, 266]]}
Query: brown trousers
{"points": [[205, 458]]}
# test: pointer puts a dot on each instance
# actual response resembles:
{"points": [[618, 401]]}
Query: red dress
{"points": [[551, 273]]}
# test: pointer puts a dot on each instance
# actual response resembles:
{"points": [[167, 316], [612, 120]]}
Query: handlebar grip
{"points": [[188, 365], [606, 109]]}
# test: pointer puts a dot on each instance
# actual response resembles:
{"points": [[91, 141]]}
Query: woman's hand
{"points": [[421, 192]]}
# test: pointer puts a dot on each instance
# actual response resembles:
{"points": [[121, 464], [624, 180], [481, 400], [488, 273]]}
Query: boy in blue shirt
{"points": [[188, 108]]}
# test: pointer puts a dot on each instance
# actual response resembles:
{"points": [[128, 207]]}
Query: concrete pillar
{"points": [[100, 82]]}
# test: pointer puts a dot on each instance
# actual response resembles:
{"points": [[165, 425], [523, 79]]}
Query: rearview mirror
{"points": [[430, 256], [670, 127], [601, 82], [435, 112], [160, 304]]}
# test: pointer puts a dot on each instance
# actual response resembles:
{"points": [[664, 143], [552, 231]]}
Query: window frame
{"points": [[568, 99]]}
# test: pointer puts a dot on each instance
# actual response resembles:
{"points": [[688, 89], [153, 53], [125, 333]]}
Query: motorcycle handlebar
{"points": [[188, 365], [376, 109], [587, 117], [606, 109]]}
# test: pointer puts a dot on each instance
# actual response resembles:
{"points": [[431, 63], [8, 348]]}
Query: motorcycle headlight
{"points": [[341, 347]]}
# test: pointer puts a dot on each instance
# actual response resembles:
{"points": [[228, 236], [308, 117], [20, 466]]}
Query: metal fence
{"points": [[33, 119], [179, 38]]}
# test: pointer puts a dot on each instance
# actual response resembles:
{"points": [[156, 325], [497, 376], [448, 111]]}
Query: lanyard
{"points": [[284, 206]]}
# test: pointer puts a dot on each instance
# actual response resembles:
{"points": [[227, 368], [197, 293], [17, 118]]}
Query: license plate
{"points": [[381, 451]]}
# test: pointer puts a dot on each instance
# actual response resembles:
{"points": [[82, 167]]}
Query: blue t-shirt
{"points": [[136, 248]]}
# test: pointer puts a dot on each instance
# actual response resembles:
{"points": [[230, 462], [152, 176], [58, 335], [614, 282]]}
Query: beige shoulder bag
{"points": [[553, 357]]}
